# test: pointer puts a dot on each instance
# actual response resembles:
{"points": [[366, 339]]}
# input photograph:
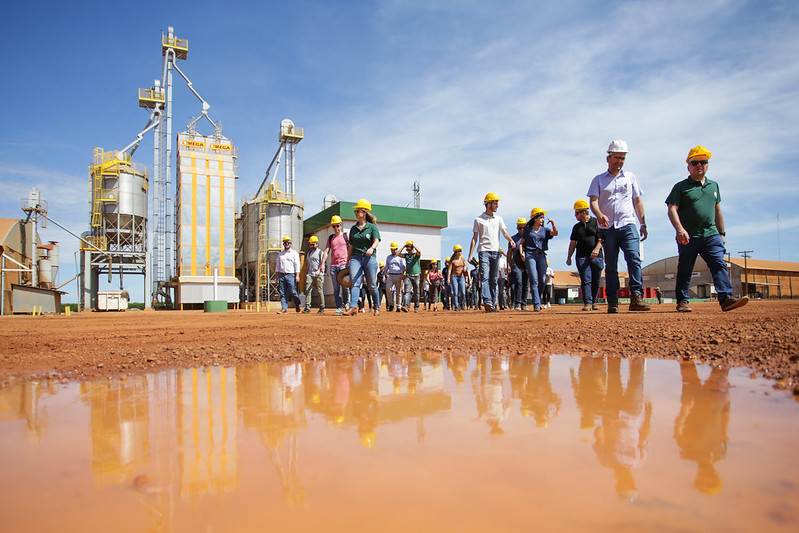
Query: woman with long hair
{"points": [[534, 245], [457, 278], [363, 241]]}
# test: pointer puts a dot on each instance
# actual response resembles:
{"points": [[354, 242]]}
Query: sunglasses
{"points": [[336, 225], [697, 163], [581, 211]]}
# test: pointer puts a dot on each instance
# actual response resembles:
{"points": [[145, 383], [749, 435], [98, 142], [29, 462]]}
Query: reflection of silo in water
{"points": [[261, 226]]}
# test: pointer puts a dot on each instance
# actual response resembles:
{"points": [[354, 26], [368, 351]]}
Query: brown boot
{"points": [[637, 303]]}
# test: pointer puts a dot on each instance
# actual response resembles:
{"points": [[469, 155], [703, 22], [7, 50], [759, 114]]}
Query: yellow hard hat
{"points": [[448, 259], [286, 238], [409, 243], [457, 248], [433, 261], [579, 205], [364, 204], [381, 264], [537, 211], [335, 219], [697, 151], [313, 239], [394, 245], [521, 222], [491, 197]]}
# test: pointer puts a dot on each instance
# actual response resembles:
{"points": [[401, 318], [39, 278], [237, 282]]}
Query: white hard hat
{"points": [[617, 146]]}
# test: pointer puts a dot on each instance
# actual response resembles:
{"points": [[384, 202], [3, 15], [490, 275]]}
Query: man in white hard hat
{"points": [[695, 212], [288, 276], [615, 199], [488, 228]]}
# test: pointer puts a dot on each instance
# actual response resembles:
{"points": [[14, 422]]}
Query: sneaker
{"points": [[339, 312], [613, 307], [487, 308], [734, 303], [537, 308], [352, 311], [283, 312], [637, 303], [398, 310], [524, 308], [549, 306], [405, 309], [306, 310], [594, 307], [587, 307], [321, 311], [682, 307]]}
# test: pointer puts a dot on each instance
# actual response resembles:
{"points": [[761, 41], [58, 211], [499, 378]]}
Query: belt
{"points": [[537, 251]]}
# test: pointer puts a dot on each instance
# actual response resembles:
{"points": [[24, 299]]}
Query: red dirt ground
{"points": [[89, 345]]}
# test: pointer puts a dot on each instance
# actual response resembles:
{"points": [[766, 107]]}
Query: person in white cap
{"points": [[615, 199]]}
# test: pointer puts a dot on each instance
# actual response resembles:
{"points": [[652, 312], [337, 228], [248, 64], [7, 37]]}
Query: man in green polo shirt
{"points": [[695, 212]]}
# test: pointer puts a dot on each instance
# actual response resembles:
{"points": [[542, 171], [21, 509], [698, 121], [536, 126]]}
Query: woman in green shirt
{"points": [[364, 238]]}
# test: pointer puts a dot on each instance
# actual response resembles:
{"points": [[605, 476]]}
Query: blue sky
{"points": [[520, 98]]}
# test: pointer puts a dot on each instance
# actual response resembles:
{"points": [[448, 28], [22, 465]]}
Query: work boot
{"points": [[587, 307], [613, 307], [321, 311], [682, 307], [594, 307], [306, 310], [734, 303], [637, 303]]}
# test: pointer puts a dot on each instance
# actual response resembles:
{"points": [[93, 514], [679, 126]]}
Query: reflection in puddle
{"points": [[431, 442]]}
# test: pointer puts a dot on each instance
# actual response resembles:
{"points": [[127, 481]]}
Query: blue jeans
{"points": [[287, 288], [458, 287], [536, 272], [359, 265], [337, 287], [625, 239], [519, 278], [489, 275], [712, 251], [590, 271]]}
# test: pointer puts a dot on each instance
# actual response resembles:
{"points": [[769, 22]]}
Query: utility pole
{"points": [[746, 253]]}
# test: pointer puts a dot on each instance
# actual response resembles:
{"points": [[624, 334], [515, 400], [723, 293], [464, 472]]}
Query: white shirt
{"points": [[288, 261], [488, 229], [616, 195]]}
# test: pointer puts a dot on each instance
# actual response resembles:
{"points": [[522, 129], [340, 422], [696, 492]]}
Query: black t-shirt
{"points": [[586, 235]]}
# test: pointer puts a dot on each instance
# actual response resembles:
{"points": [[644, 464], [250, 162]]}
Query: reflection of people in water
{"points": [[488, 382], [590, 387], [621, 438], [701, 427], [364, 401], [530, 382]]}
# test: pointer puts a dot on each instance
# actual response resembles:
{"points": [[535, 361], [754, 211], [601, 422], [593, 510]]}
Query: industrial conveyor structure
{"points": [[264, 220], [116, 187]]}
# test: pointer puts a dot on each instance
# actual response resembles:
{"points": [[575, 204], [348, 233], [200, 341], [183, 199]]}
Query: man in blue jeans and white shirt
{"points": [[695, 212], [487, 230], [615, 199]]}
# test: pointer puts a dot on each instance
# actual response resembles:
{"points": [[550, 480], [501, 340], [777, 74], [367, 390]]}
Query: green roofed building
{"points": [[400, 224]]}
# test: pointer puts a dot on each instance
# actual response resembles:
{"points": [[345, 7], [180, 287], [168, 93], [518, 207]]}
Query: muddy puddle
{"points": [[430, 443]]}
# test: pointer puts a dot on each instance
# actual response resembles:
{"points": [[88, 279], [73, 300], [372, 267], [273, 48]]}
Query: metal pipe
{"points": [[110, 259]]}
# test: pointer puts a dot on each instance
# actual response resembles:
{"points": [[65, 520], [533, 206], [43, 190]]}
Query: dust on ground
{"points": [[90, 345]]}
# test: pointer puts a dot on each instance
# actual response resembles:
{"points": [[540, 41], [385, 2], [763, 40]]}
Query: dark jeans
{"points": [[712, 251], [625, 239], [590, 271]]}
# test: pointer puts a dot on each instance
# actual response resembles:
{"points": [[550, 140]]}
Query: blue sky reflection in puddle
{"points": [[433, 442]]}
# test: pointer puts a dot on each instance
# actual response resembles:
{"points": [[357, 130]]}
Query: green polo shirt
{"points": [[362, 239], [412, 265], [696, 205]]}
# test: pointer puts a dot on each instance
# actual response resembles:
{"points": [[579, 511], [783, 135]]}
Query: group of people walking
{"points": [[617, 227]]}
